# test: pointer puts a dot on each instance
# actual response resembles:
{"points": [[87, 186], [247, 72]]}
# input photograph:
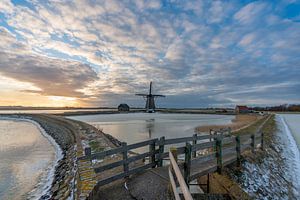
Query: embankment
{"points": [[226, 183], [269, 174], [68, 134]]}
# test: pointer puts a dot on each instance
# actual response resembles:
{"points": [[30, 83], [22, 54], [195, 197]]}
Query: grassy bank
{"points": [[224, 184], [253, 128], [238, 123]]}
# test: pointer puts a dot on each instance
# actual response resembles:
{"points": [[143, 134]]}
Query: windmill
{"points": [[150, 103]]}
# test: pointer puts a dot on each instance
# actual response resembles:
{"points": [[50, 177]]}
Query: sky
{"points": [[198, 53]]}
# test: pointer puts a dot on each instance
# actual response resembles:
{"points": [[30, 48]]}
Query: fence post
{"points": [[125, 157], [152, 150], [207, 183], [229, 131], [88, 152], [215, 141], [219, 154], [161, 151], [194, 143], [262, 141], [253, 143], [187, 162], [238, 150]]}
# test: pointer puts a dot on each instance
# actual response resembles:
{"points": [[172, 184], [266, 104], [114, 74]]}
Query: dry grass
{"points": [[222, 184], [239, 122]]}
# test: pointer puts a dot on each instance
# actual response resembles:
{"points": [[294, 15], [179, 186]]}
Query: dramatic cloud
{"points": [[52, 77], [216, 53]]}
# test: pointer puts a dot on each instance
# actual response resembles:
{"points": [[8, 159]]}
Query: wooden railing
{"points": [[220, 148], [184, 188], [217, 147]]}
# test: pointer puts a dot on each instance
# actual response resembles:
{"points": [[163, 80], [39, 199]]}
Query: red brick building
{"points": [[241, 109]]}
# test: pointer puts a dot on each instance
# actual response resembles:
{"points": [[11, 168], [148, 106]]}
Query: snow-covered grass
{"points": [[274, 173]]}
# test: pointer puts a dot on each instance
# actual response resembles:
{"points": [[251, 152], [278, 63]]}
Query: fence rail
{"points": [[220, 150], [182, 183]]}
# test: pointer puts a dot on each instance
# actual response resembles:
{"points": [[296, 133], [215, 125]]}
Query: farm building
{"points": [[123, 107], [242, 109]]}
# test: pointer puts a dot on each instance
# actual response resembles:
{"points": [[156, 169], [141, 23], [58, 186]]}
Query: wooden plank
{"points": [[123, 175], [184, 188], [203, 145], [203, 172], [258, 135], [141, 144], [202, 159], [178, 140], [245, 137], [229, 161], [205, 137], [164, 155], [248, 142], [244, 147], [228, 140], [180, 150], [141, 156], [173, 184], [229, 150], [109, 166], [101, 155], [140, 169]]}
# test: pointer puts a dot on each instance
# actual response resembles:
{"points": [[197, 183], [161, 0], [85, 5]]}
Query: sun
{"points": [[62, 101]]}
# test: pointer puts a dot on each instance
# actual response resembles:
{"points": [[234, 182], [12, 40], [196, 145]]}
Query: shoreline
{"points": [[60, 176], [46, 178], [51, 171], [294, 149]]}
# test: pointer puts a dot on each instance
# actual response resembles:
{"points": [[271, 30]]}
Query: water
{"points": [[59, 111], [291, 129], [136, 127], [293, 122], [26, 157]]}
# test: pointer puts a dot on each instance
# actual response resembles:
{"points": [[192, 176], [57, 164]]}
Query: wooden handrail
{"points": [[184, 188], [156, 155]]}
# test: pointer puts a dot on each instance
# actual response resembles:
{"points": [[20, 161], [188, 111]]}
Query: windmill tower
{"points": [[150, 103]]}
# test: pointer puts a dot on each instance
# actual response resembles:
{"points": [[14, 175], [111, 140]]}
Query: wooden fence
{"points": [[217, 147]]}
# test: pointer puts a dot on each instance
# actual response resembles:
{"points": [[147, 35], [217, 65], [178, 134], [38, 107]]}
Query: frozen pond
{"points": [[136, 127], [26, 157], [293, 123]]}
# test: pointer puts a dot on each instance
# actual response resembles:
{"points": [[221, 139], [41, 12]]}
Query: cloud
{"points": [[251, 12], [51, 77], [112, 49]]}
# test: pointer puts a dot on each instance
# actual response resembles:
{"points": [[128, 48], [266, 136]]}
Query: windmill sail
{"points": [[150, 99]]}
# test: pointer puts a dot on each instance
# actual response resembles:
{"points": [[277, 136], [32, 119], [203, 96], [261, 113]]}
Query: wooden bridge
{"points": [[192, 157]]}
